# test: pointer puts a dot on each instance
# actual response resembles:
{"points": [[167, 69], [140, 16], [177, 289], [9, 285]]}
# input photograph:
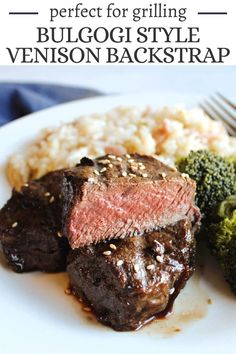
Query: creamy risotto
{"points": [[169, 133]]}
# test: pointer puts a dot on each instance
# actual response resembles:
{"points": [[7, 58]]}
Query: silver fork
{"points": [[220, 108]]}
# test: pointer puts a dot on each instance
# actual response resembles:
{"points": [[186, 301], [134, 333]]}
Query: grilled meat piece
{"points": [[110, 197], [115, 197], [31, 226], [129, 282]]}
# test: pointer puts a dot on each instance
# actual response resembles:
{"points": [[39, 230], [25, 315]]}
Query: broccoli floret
{"points": [[222, 240], [232, 159], [215, 178]]}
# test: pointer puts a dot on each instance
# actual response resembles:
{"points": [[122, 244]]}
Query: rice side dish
{"points": [[169, 133]]}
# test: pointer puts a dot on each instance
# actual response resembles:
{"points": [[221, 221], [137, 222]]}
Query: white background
{"points": [[215, 31]]}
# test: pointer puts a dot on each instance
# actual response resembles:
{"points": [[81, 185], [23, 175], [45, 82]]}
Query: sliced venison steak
{"points": [[31, 226], [129, 282], [115, 197]]}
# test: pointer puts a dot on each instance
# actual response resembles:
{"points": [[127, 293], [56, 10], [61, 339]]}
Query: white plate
{"points": [[37, 317]]}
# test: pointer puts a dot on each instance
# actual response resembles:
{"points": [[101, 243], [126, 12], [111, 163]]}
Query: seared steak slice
{"points": [[31, 226], [115, 197], [129, 282]]}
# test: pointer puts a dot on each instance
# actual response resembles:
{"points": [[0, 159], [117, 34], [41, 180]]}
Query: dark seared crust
{"points": [[35, 220], [129, 281], [129, 295], [33, 243], [83, 180]]}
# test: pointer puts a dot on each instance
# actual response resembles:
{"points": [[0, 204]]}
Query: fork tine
{"points": [[228, 117], [216, 116], [221, 116], [226, 100], [207, 112], [230, 128]]}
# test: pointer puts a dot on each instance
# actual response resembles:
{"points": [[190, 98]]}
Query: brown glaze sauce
{"points": [[191, 305], [84, 309]]}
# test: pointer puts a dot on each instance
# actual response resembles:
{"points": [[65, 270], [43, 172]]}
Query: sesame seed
{"points": [[119, 263], [51, 200], [174, 169], [119, 159], [185, 175], [131, 160], [136, 268], [145, 175], [47, 194], [150, 267], [107, 253], [26, 185], [142, 167], [160, 249], [112, 246], [140, 164], [87, 309], [67, 291], [110, 165], [128, 156], [124, 174], [90, 179], [14, 224], [172, 291], [103, 169], [132, 175], [59, 234], [104, 162], [96, 172], [133, 168], [113, 157], [159, 259], [163, 174]]}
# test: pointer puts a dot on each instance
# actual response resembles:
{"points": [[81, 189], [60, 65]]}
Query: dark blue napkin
{"points": [[17, 100]]}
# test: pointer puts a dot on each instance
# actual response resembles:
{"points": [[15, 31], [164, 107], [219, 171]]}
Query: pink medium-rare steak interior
{"points": [[115, 197], [116, 210]]}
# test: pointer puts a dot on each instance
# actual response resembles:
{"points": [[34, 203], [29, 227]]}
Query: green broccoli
{"points": [[215, 178], [232, 159], [222, 240]]}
